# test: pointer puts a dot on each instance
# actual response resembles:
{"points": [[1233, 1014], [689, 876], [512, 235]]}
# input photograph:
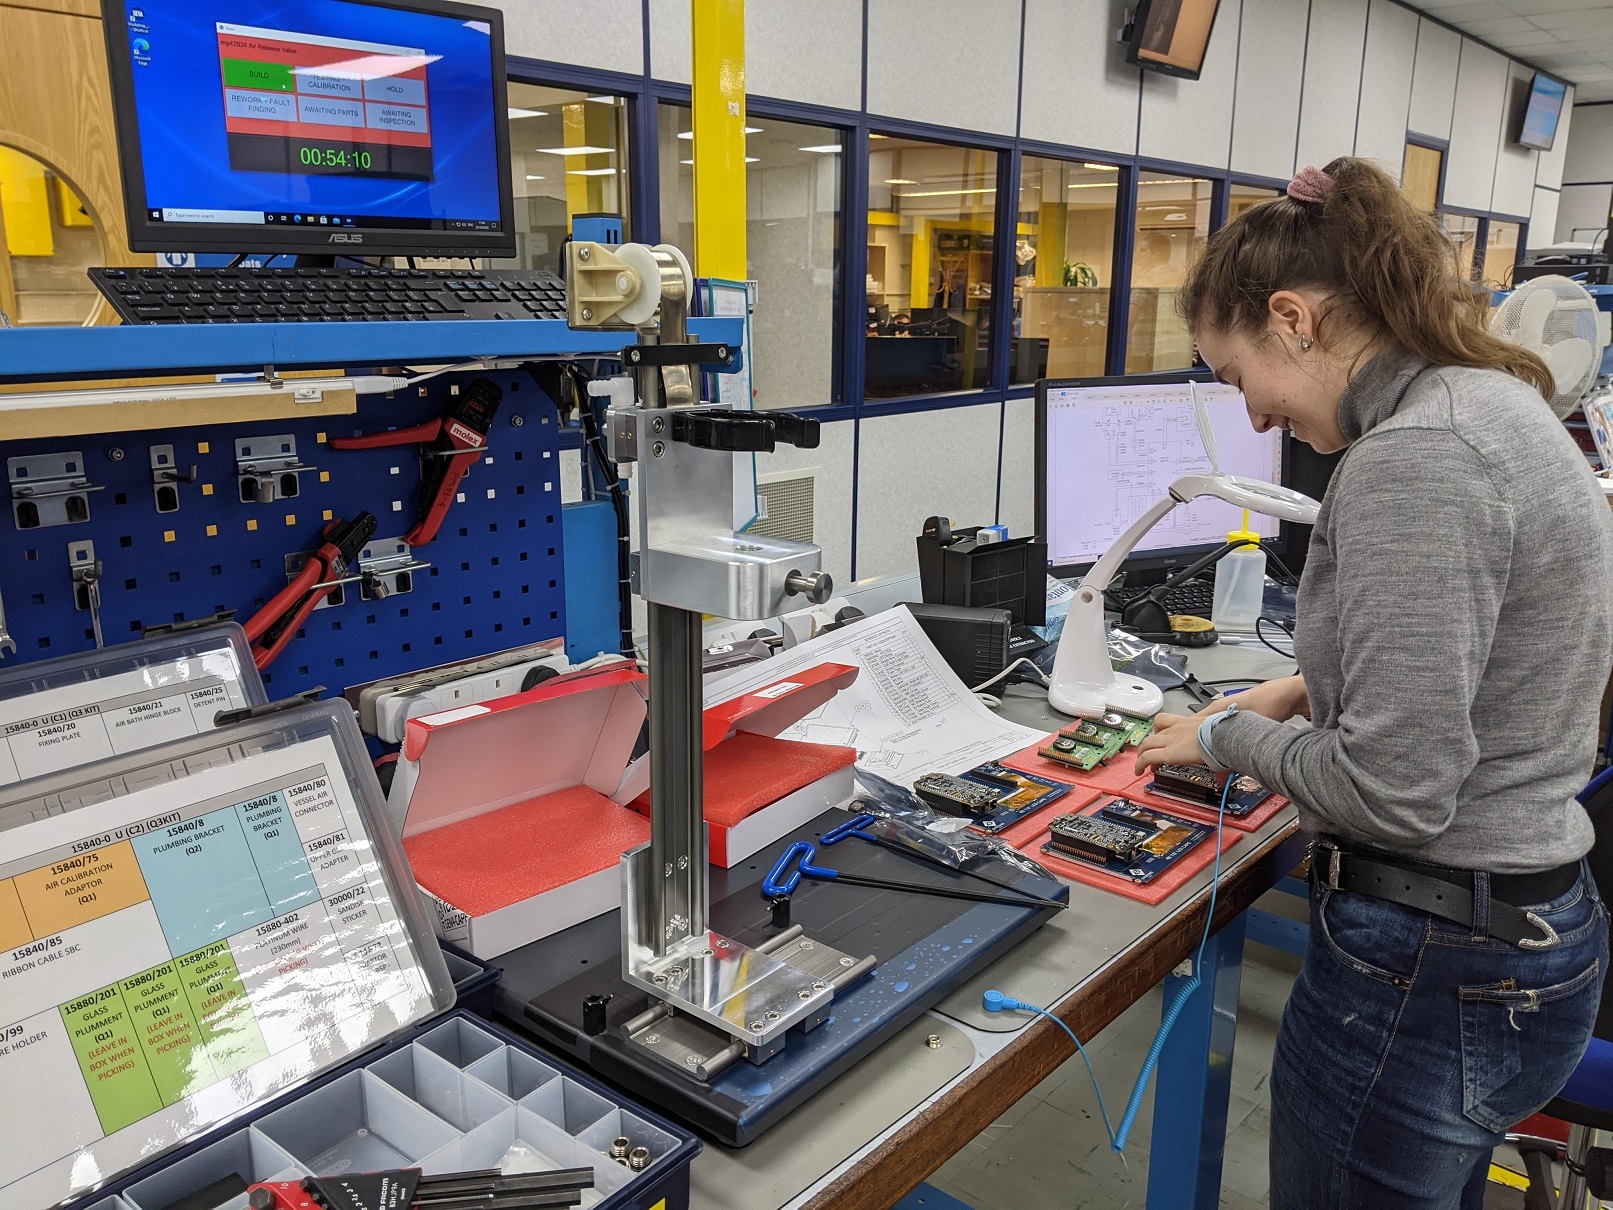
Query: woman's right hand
{"points": [[1279, 699]]}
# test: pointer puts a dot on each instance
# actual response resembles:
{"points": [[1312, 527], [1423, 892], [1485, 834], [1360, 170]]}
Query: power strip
{"points": [[394, 710]]}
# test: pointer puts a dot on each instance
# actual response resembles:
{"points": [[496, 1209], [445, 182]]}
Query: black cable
{"points": [[1277, 622], [1288, 576], [595, 443], [550, 378], [1158, 591]]}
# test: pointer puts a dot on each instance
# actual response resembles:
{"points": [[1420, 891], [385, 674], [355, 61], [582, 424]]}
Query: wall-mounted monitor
{"points": [[364, 127], [1541, 115], [1171, 36]]}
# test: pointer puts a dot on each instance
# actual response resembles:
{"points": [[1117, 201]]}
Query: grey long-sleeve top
{"points": [[1455, 628]]}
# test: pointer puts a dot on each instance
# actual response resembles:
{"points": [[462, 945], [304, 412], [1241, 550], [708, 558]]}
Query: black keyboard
{"points": [[1193, 598], [222, 296]]}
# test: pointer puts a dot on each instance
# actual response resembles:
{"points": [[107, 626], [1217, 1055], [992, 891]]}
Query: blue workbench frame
{"points": [[55, 354]]}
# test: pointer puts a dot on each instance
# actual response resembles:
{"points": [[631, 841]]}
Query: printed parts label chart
{"points": [[66, 727], [171, 956]]}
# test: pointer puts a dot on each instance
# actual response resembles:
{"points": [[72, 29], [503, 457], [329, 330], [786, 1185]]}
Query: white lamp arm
{"points": [[1105, 569]]}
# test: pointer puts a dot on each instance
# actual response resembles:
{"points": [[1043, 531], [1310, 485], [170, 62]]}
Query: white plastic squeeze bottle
{"points": [[1240, 583]]}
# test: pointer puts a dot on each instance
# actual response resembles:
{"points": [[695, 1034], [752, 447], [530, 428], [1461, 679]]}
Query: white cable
{"points": [[1023, 660], [989, 702]]}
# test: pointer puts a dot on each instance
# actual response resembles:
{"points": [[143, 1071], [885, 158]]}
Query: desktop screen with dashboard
{"points": [[251, 124], [1108, 450]]}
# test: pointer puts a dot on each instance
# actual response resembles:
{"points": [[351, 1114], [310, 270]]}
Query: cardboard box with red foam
{"points": [[512, 813], [759, 787]]}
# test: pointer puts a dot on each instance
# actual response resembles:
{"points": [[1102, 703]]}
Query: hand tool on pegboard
{"points": [[455, 442], [273, 626], [408, 1189]]}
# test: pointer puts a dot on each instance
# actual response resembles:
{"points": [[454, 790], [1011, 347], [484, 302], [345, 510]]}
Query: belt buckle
{"points": [[1334, 859]]}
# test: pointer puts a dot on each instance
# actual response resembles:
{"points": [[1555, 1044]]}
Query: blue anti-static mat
{"points": [[926, 947]]}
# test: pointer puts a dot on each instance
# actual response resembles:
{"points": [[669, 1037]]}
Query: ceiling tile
{"points": [[1576, 25], [1566, 59], [1500, 25], [1530, 8], [1470, 10], [1594, 92], [1537, 39]]}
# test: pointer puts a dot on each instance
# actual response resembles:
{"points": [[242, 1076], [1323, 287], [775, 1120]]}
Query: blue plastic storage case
{"points": [[447, 1092]]}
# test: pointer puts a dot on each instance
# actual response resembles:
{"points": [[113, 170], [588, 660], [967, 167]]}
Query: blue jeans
{"points": [[1409, 1047]]}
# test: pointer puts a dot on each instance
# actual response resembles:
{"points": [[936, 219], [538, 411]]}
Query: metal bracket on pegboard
{"points": [[49, 490], [268, 469], [385, 568]]}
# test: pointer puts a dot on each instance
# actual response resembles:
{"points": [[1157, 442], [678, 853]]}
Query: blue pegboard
{"points": [[495, 580]]}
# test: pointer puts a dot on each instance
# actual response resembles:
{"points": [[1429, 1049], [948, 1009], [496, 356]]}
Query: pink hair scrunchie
{"points": [[1311, 185]]}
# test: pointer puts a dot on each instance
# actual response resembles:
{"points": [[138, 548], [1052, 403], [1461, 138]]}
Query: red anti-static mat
{"points": [[1138, 793], [1035, 824], [1112, 778], [509, 855], [747, 772], [1150, 893]]}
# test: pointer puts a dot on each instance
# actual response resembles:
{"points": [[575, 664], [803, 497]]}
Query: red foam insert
{"points": [[1256, 819], [506, 856], [747, 772], [1150, 893], [1114, 777], [1035, 823]]}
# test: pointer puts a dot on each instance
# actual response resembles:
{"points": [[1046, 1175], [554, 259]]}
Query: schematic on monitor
{"points": [[1110, 452], [312, 126]]}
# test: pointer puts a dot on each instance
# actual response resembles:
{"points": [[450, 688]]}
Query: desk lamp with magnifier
{"points": [[1084, 681]]}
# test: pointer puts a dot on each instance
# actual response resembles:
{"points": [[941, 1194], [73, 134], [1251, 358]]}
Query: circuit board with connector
{"points": [[1203, 788], [991, 795], [1128, 840], [1089, 742]]}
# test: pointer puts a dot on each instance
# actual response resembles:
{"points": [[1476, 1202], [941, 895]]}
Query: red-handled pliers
{"points": [[456, 440], [271, 628]]}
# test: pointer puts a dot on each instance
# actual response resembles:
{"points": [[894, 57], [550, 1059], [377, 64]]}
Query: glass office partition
{"points": [[1463, 232], [1170, 225], [1063, 268], [568, 157], [1500, 253], [932, 246], [1242, 197], [793, 189]]}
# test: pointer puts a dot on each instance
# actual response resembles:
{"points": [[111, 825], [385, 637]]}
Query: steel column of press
{"points": [[677, 832]]}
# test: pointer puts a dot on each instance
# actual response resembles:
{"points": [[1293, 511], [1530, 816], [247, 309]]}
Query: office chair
{"points": [[1586, 1101]]}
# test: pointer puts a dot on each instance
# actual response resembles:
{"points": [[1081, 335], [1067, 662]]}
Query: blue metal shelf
{"points": [[46, 354]]}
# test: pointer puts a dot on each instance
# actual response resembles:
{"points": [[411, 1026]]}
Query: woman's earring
{"points": [[1305, 343]]}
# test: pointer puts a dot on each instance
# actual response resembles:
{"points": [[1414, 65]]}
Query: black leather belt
{"points": [[1445, 891]]}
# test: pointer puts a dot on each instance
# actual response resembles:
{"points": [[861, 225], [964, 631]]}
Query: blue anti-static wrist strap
{"points": [[1206, 730]]}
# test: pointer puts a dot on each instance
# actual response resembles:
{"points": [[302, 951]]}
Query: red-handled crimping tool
{"points": [[455, 441], [271, 628], [407, 1189]]}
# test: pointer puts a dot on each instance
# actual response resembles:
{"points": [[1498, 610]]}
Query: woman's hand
{"points": [[1280, 699], [1175, 740]]}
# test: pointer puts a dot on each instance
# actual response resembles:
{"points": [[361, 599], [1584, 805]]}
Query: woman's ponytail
{"points": [[1385, 269]]}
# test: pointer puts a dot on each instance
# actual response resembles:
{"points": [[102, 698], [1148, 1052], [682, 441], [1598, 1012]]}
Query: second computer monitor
{"points": [[1108, 449]]}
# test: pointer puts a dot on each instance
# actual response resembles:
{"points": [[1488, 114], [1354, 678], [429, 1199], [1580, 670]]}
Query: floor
{"points": [[1050, 1151]]}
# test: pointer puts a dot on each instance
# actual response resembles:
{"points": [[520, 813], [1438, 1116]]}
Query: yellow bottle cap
{"points": [[1245, 535]]}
